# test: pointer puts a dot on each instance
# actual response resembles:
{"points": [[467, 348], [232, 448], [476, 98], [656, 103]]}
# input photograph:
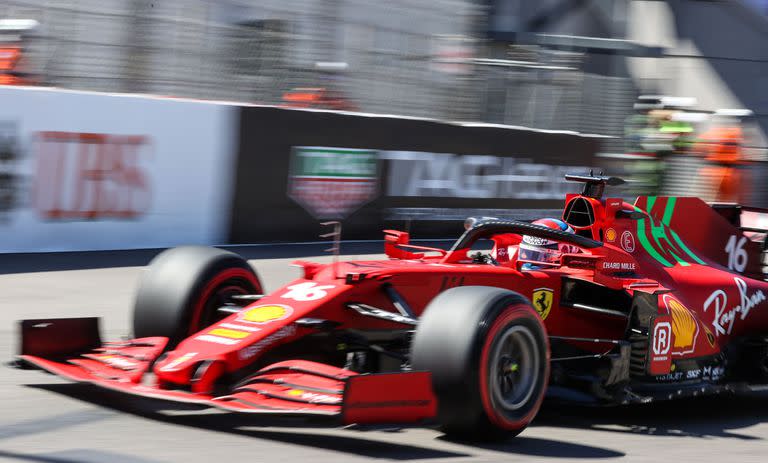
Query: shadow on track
{"points": [[244, 425], [72, 456], [280, 430], [537, 447], [704, 417]]}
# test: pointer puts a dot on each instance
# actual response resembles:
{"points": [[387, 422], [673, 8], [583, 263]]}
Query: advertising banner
{"points": [[88, 171], [422, 175], [330, 183]]}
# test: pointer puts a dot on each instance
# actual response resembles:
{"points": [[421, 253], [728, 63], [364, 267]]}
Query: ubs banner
{"points": [[429, 175], [87, 171]]}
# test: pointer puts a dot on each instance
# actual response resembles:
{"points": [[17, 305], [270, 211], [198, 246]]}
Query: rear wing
{"points": [[752, 221]]}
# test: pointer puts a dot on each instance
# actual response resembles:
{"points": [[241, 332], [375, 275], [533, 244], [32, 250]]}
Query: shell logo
{"points": [[265, 313], [610, 235], [684, 326]]}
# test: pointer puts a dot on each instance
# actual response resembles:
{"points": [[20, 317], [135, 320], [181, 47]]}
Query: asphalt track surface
{"points": [[44, 419]]}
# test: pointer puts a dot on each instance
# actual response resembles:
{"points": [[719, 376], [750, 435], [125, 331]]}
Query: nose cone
{"points": [[176, 367]]}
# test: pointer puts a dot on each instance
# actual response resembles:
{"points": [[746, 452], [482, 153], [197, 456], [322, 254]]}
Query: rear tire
{"points": [[488, 354], [182, 287]]}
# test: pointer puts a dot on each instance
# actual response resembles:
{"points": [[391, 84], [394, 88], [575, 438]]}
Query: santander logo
{"points": [[725, 317]]}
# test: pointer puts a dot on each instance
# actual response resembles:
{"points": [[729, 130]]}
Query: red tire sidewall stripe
{"points": [[210, 286], [511, 313]]}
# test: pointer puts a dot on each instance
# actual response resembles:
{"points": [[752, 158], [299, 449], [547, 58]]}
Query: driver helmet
{"points": [[535, 249]]}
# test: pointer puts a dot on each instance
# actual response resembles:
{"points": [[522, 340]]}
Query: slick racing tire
{"points": [[487, 351], [182, 288]]}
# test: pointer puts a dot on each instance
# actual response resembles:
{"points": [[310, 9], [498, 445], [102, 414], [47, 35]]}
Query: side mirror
{"points": [[615, 181], [634, 215]]}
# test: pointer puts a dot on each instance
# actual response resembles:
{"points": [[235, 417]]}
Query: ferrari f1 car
{"points": [[659, 299]]}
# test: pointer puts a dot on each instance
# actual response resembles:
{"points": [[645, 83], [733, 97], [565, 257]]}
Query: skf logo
{"points": [[90, 176], [542, 301], [662, 338]]}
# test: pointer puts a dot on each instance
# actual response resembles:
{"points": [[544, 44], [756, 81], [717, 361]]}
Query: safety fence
{"points": [[406, 57]]}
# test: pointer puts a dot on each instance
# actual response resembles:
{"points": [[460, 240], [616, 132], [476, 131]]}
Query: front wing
{"points": [[293, 387]]}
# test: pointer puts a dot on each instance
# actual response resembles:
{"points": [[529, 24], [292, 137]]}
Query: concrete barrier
{"points": [[89, 171]]}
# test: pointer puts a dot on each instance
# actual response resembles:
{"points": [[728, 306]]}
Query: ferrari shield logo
{"points": [[542, 301]]}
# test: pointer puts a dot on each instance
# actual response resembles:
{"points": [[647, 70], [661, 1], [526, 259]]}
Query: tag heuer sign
{"points": [[332, 182]]}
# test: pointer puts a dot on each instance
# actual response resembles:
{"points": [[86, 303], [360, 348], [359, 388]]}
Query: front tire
{"points": [[487, 351], [182, 288]]}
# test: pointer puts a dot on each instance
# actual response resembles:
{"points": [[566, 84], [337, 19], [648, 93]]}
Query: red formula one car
{"points": [[659, 299]]}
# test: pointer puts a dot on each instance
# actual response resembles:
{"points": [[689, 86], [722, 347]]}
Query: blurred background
{"points": [[678, 87]]}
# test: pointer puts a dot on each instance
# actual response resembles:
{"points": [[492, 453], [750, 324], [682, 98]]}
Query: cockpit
{"points": [[584, 219]]}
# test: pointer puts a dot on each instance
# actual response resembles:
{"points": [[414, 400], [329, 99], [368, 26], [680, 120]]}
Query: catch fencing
{"points": [[406, 58]]}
